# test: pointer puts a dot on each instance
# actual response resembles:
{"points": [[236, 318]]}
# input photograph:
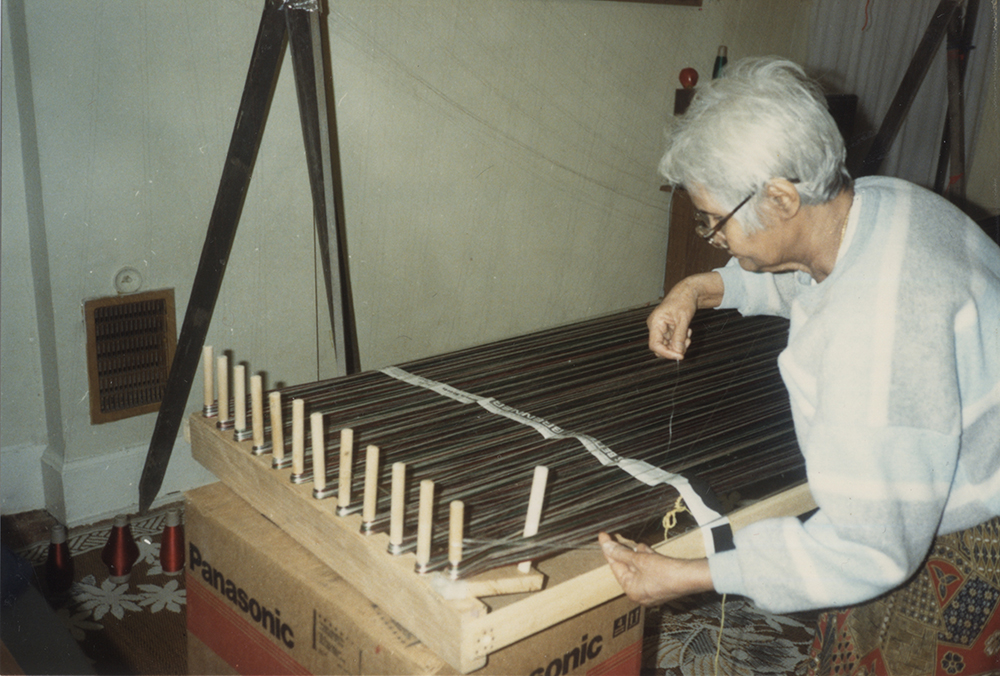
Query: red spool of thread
{"points": [[172, 544], [121, 552], [59, 564]]}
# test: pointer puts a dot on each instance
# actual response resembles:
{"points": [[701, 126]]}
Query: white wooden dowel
{"points": [[240, 397], [346, 463], [257, 409], [456, 531], [425, 524], [298, 436], [318, 452], [535, 501], [208, 367], [222, 376], [370, 500], [397, 507], [277, 427]]}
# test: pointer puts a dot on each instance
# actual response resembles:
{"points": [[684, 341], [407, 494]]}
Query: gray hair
{"points": [[764, 119]]}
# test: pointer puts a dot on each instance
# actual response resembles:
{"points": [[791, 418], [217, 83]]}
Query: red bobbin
{"points": [[121, 552], [172, 544], [59, 564]]}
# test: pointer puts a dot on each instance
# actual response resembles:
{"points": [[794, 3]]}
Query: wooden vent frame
{"points": [[130, 345]]}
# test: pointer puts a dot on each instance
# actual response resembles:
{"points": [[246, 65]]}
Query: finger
{"points": [[620, 569], [624, 541], [607, 544], [614, 552], [661, 341], [661, 350], [659, 335], [680, 337]]}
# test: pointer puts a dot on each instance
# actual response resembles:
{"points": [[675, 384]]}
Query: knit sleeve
{"points": [[892, 373], [878, 415], [880, 500], [759, 293]]}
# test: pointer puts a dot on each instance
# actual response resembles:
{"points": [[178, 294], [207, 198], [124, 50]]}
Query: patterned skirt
{"points": [[945, 620]]}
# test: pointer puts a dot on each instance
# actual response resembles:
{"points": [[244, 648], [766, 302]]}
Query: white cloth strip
{"points": [[548, 430], [442, 389], [638, 469]]}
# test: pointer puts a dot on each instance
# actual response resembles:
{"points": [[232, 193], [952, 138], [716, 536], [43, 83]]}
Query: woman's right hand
{"points": [[669, 332]]}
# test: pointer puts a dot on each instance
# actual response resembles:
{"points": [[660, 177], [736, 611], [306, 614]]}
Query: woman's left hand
{"points": [[649, 578]]}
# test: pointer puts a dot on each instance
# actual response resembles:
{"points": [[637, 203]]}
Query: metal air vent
{"points": [[130, 346]]}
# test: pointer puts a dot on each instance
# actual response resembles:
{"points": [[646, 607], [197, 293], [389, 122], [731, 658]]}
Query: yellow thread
{"points": [[670, 519], [722, 623]]}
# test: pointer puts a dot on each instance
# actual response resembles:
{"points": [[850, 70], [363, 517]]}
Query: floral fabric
{"points": [[944, 621], [683, 639]]}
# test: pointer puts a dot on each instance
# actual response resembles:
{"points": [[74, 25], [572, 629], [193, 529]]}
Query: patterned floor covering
{"points": [[138, 627], [683, 639]]}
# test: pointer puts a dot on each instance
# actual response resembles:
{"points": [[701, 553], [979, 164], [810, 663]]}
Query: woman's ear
{"points": [[783, 198]]}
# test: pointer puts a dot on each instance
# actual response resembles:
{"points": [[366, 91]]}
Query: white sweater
{"points": [[893, 373]]}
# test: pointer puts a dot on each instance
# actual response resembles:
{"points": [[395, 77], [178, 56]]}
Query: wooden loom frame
{"points": [[463, 632]]}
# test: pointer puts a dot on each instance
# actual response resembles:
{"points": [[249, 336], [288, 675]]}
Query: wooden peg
{"points": [[298, 441], [425, 525], [534, 508], [320, 489], [456, 531], [370, 499], [346, 462], [260, 444], [397, 508], [240, 432], [222, 376], [239, 397], [279, 461], [210, 409]]}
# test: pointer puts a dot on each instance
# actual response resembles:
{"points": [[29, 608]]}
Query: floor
{"points": [[35, 639], [25, 529], [683, 640]]}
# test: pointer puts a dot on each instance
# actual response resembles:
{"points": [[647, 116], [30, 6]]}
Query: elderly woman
{"points": [[892, 364]]}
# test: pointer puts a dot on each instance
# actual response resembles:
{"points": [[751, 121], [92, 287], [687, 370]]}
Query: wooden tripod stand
{"points": [[296, 22]]}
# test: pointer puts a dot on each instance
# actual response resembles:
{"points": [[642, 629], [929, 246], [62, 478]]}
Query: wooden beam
{"points": [[462, 631], [909, 86]]}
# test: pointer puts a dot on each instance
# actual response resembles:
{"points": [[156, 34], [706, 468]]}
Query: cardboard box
{"points": [[260, 603]]}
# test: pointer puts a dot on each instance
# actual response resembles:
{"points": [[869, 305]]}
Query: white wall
{"points": [[23, 427], [499, 162], [983, 188]]}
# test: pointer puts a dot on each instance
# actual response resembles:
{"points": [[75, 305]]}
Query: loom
{"points": [[414, 482]]}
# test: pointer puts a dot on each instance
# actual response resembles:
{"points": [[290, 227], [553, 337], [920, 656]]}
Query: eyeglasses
{"points": [[704, 229]]}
